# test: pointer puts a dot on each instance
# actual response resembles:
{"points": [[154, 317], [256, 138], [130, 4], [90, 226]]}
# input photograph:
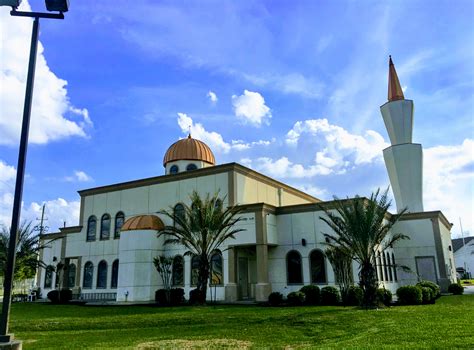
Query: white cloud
{"points": [[213, 139], [448, 173], [53, 117], [212, 96], [250, 108], [79, 176], [284, 168]]}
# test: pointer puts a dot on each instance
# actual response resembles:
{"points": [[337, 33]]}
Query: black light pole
{"points": [[8, 280]]}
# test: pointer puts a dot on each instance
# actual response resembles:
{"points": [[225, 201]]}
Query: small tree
{"points": [[205, 226], [362, 227], [341, 262], [164, 265]]}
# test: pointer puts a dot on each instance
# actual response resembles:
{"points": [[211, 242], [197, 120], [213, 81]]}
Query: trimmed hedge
{"points": [[275, 299], [60, 297], [427, 295], [312, 294], [330, 296], [435, 289], [295, 298], [410, 295], [384, 296], [456, 289], [176, 296], [354, 296]]}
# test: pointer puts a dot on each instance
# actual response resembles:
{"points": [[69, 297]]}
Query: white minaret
{"points": [[403, 159]]}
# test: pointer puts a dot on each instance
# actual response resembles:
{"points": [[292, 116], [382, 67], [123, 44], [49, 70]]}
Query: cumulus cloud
{"points": [[53, 117], [212, 96], [213, 139], [448, 173], [250, 108], [79, 176]]}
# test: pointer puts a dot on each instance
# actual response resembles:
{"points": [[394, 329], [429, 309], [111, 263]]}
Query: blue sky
{"points": [[291, 89]]}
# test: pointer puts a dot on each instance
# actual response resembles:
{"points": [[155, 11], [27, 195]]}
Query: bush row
{"points": [[424, 292]]}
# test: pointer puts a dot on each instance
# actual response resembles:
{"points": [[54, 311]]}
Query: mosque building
{"points": [[110, 252]]}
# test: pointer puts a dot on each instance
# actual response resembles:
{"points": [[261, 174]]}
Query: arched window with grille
{"points": [[178, 271], [191, 167], [119, 220], [217, 277], [91, 228], [115, 270], [194, 270], [48, 277], [88, 273], [174, 169], [105, 227], [317, 265], [294, 270], [71, 276], [102, 274], [179, 212]]}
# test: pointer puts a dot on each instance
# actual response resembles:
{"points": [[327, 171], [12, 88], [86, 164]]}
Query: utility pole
{"points": [[41, 228]]}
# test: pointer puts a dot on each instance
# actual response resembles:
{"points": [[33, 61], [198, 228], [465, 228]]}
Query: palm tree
{"points": [[203, 228], [341, 262], [362, 227], [27, 252]]}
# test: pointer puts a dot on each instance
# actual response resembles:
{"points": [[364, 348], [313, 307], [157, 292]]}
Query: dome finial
{"points": [[395, 91], [189, 131]]}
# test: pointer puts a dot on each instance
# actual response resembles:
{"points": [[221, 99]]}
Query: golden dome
{"points": [[189, 149], [143, 222]]}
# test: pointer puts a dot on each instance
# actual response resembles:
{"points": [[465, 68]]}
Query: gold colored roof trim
{"points": [[395, 91], [189, 149], [143, 222]]}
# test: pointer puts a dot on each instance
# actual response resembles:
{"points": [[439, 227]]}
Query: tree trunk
{"points": [[203, 278], [368, 283]]}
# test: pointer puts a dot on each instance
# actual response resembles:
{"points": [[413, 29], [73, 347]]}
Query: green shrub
{"points": [[409, 295], [177, 296], [65, 296], [161, 297], [275, 299], [295, 298], [330, 296], [427, 295], [435, 289], [455, 289], [384, 296], [354, 296], [312, 294], [195, 296], [53, 296]]}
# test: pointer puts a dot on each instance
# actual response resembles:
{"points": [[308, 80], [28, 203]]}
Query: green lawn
{"points": [[448, 324]]}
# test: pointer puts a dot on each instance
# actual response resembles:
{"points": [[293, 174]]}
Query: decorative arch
{"points": [[294, 268], [217, 276], [115, 270], [178, 271], [317, 265], [119, 220], [102, 274], [91, 228], [88, 273]]}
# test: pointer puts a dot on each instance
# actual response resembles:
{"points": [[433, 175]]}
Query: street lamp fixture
{"points": [[6, 340]]}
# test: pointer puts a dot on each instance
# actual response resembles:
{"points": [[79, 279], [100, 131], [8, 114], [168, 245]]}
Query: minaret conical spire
{"points": [[394, 89]]}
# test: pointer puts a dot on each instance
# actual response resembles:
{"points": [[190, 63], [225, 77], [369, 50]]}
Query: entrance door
{"points": [[244, 278]]}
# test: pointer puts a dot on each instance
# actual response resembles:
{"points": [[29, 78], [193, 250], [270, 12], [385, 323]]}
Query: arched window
{"points": [[102, 275], [293, 268], [216, 269], [119, 220], [191, 166], [174, 169], [179, 212], [390, 277], [194, 270], [317, 267], [88, 273], [385, 272], [71, 276], [395, 277], [115, 269], [48, 277], [178, 271], [379, 268], [105, 227], [59, 275], [91, 228]]}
